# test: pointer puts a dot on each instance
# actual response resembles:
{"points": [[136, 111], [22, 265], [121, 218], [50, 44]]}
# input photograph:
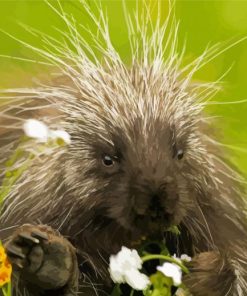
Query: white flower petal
{"points": [[116, 275], [36, 129], [115, 270], [128, 259], [136, 279], [172, 270], [136, 259], [60, 134]]}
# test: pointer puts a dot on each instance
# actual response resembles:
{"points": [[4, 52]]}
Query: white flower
{"points": [[36, 129], [124, 268], [60, 134], [185, 258], [172, 270]]}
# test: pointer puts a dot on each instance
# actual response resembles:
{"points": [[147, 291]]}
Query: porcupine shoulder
{"points": [[140, 157]]}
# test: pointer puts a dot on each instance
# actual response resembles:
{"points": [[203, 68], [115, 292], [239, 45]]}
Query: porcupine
{"points": [[140, 160]]}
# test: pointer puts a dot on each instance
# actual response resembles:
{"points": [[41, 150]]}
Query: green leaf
{"points": [[174, 229], [160, 281], [116, 291]]}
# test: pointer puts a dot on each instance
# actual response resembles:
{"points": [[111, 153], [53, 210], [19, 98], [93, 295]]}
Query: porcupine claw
{"points": [[28, 238], [15, 252], [39, 235]]}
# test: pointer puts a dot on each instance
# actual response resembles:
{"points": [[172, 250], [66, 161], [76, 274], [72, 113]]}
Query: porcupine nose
{"points": [[155, 207]]}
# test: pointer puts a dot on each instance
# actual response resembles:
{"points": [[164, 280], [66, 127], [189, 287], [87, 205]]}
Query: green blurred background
{"points": [[201, 23]]}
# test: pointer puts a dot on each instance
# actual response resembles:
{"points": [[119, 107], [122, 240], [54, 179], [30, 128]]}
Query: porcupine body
{"points": [[140, 160]]}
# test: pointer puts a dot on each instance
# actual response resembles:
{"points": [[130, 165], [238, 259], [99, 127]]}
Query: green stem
{"points": [[166, 258], [9, 289], [132, 292], [4, 292]]}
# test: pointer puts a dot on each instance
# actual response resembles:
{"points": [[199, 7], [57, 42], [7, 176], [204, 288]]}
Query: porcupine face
{"points": [[133, 162], [146, 190]]}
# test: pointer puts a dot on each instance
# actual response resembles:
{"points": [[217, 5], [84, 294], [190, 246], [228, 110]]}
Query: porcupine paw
{"points": [[210, 274], [42, 257]]}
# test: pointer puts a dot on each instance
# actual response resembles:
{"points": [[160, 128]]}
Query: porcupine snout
{"points": [[155, 207], [156, 204]]}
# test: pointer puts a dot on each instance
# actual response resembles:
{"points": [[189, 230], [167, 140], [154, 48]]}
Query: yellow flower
{"points": [[5, 268]]}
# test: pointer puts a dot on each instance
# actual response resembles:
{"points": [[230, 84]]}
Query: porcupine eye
{"points": [[108, 161], [180, 154]]}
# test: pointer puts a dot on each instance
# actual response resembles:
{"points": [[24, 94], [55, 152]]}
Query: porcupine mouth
{"points": [[153, 227]]}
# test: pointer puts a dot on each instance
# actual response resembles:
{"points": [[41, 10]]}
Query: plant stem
{"points": [[166, 258], [4, 292], [9, 289]]}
